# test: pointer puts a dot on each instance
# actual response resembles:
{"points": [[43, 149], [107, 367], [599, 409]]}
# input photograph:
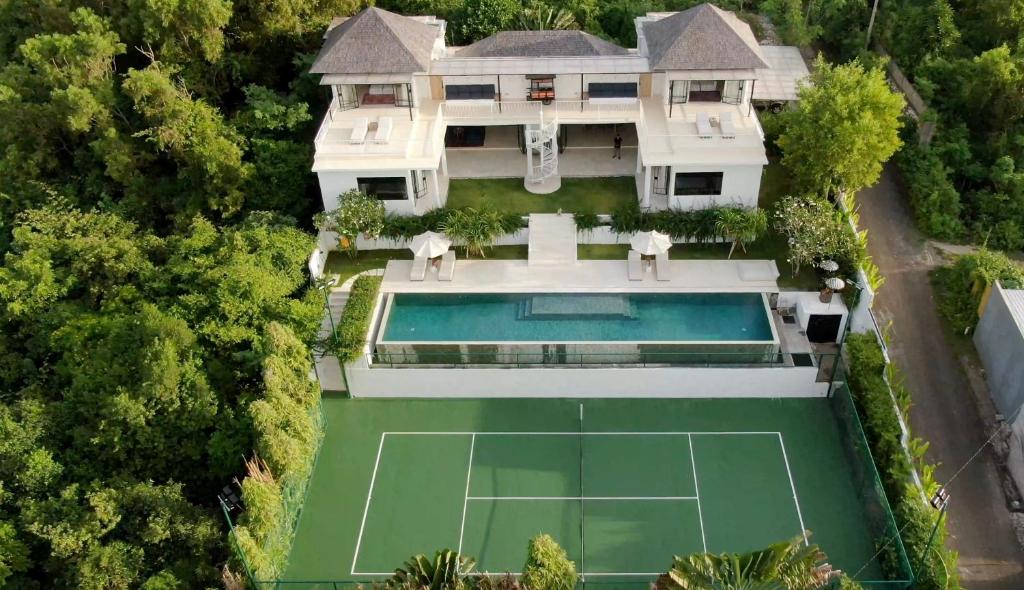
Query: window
{"points": [[699, 183], [677, 91], [732, 91], [469, 91], [387, 188], [705, 91], [612, 90]]}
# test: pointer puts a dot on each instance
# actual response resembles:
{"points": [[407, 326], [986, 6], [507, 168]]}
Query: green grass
{"points": [[577, 195], [419, 504]]}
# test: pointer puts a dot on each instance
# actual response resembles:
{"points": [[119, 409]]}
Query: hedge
{"points": [[962, 285], [404, 227], [355, 319], [933, 197], [914, 517]]}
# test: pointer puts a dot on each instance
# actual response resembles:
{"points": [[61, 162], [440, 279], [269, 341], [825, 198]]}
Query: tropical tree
{"points": [[789, 565], [538, 16], [844, 128], [475, 229], [357, 213], [815, 231], [742, 226], [447, 571], [547, 566]]}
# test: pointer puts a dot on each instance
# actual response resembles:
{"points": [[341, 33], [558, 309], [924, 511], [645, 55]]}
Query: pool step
{"points": [[559, 307]]}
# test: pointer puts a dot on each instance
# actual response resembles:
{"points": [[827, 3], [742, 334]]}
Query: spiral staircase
{"points": [[542, 157]]}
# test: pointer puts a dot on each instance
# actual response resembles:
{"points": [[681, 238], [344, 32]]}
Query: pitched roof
{"points": [[704, 37], [376, 41], [541, 44]]}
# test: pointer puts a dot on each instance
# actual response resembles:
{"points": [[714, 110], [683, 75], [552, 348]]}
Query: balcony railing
{"points": [[601, 109]]}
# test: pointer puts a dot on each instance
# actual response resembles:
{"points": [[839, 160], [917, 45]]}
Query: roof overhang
{"points": [[331, 79]]}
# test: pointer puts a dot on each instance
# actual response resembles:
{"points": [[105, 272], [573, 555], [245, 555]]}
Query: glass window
{"points": [[699, 183], [385, 188], [732, 93], [678, 91], [469, 91], [612, 90], [706, 90]]}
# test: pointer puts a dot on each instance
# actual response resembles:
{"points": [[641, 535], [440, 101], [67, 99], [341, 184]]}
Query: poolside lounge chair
{"points": [[419, 268], [359, 127], [703, 125], [383, 133], [634, 266], [726, 126], [447, 271], [662, 270]]}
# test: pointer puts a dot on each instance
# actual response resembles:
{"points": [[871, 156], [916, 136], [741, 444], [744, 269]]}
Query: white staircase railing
{"points": [[544, 139]]}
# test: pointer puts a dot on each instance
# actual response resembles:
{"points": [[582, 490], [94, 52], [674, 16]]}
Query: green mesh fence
{"points": [[891, 554]]}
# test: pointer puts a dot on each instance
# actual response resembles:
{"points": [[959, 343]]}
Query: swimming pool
{"points": [[575, 328], [577, 317]]}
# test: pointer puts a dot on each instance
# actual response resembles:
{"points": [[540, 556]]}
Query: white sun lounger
{"points": [[703, 125], [447, 271], [419, 268], [359, 127], [383, 133], [635, 266], [662, 270], [727, 127]]}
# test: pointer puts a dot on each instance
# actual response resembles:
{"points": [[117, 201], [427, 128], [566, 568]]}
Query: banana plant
{"points": [[447, 571]]}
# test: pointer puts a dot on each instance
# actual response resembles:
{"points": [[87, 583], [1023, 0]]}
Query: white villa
{"points": [[408, 112]]}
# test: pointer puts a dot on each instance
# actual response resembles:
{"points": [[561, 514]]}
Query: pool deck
{"points": [[587, 276]]}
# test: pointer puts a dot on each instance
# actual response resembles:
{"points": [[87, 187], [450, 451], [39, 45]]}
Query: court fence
{"points": [[890, 551], [454, 356]]}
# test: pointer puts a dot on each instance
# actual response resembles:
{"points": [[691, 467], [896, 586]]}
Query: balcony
{"points": [[492, 112], [390, 139]]}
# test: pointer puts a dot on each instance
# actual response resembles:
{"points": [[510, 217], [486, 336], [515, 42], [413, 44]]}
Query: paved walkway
{"points": [[328, 369], [945, 411]]}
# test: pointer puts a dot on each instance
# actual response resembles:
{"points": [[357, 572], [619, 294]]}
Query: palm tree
{"points": [[475, 229], [540, 17], [447, 571], [741, 225], [789, 565]]}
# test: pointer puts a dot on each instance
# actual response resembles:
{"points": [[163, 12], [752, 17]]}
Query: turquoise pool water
{"points": [[577, 317]]}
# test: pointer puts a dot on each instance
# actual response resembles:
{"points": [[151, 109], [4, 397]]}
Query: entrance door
{"points": [[661, 177], [823, 328]]}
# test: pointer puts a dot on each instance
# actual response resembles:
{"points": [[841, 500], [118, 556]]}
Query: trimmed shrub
{"points": [[547, 566], [914, 517], [355, 318]]}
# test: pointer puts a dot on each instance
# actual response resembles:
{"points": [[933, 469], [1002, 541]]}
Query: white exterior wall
{"points": [[333, 184], [675, 382], [740, 188]]}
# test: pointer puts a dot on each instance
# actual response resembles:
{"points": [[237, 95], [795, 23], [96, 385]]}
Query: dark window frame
{"points": [[697, 184], [469, 92], [370, 186], [612, 90]]}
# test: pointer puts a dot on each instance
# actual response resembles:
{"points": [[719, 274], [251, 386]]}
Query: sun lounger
{"points": [[635, 266], [383, 133], [359, 127], [703, 125], [662, 270], [419, 268], [447, 271], [727, 127]]}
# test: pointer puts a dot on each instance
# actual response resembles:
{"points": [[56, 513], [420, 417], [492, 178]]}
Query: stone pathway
{"points": [[328, 369]]}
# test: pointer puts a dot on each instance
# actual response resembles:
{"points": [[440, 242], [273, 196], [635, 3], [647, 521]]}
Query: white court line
{"points": [[610, 498], [465, 500], [696, 490], [366, 509], [556, 433], [792, 487]]}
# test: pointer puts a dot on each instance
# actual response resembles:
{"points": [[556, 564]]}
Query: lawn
{"points": [[577, 195]]}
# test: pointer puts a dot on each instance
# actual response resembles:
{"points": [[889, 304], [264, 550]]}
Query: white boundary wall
{"points": [[668, 382]]}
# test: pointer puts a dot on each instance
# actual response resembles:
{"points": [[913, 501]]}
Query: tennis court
{"points": [[622, 485]]}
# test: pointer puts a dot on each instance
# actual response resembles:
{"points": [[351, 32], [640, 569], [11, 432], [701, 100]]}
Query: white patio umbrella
{"points": [[835, 283], [829, 265], [650, 243], [430, 245]]}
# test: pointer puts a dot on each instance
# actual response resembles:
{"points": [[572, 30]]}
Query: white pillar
{"points": [[645, 199], [437, 188], [444, 162], [410, 191]]}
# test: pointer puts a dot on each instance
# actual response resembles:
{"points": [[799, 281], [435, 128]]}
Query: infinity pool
{"points": [[577, 317]]}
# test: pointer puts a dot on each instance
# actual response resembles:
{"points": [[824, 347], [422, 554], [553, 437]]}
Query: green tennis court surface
{"points": [[622, 490]]}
